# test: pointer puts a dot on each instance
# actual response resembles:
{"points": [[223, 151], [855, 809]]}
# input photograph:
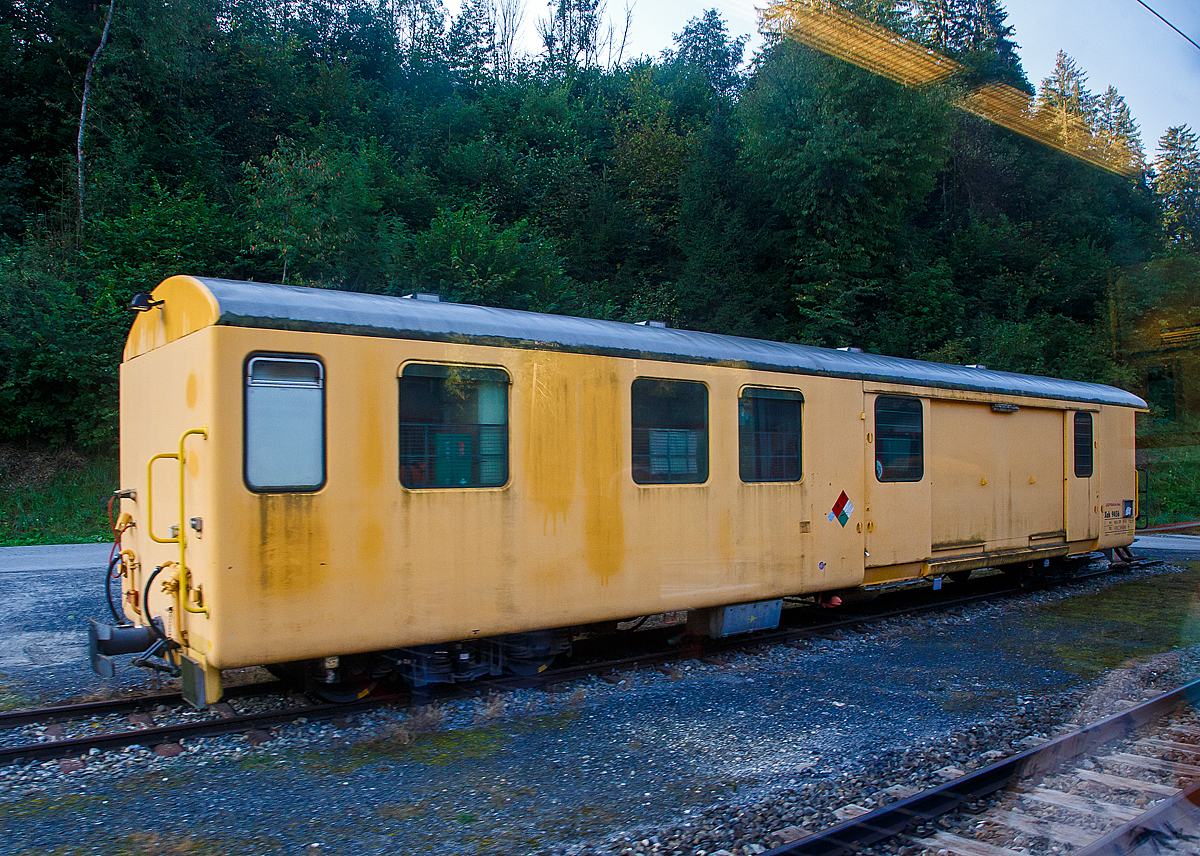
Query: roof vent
{"points": [[975, 366], [851, 350], [427, 296], [651, 323]]}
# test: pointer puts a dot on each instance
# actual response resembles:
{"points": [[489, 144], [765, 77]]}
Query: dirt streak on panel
{"points": [[604, 470], [367, 473], [293, 544], [551, 456]]}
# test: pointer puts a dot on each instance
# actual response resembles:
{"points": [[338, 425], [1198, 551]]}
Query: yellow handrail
{"points": [[185, 588], [180, 538], [150, 498]]}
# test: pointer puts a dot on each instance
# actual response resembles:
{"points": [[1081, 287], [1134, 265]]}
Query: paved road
{"points": [[1182, 546], [47, 595], [55, 558]]}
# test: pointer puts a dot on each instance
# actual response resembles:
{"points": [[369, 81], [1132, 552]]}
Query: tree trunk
{"points": [[87, 91]]}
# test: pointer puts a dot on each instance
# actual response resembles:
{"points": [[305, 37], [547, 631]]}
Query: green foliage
{"points": [[1178, 185], [385, 147], [54, 499], [58, 369], [315, 208], [467, 258]]}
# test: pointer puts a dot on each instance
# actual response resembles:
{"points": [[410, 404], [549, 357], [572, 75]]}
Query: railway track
{"points": [[642, 650], [1074, 793]]}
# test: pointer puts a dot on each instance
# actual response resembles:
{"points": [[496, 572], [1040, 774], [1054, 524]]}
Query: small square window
{"points": [[453, 426], [769, 435], [899, 439], [284, 430], [670, 431]]}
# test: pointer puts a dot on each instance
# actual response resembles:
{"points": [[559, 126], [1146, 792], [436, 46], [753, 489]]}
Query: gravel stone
{"points": [[720, 757]]}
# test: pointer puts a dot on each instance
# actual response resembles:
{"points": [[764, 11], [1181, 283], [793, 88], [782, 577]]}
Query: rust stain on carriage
{"points": [[293, 544], [552, 425], [603, 468]]}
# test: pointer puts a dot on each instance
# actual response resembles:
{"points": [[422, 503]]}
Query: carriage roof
{"points": [[203, 302]]}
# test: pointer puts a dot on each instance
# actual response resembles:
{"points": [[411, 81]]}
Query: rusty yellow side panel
{"points": [[1117, 477], [366, 564], [164, 395], [997, 477]]}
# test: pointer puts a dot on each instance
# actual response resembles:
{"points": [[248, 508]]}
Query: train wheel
{"points": [[343, 692], [959, 576]]}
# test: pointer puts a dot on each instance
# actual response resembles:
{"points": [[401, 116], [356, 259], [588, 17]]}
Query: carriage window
{"points": [[453, 426], [670, 431], [285, 424], [1083, 445], [899, 441], [769, 435]]}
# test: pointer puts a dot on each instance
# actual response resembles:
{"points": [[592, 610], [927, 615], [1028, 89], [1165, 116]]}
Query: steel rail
{"points": [[117, 706], [697, 648], [1173, 820], [890, 821], [154, 736]]}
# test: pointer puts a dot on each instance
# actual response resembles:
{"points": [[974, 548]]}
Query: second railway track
{"points": [[1074, 793]]}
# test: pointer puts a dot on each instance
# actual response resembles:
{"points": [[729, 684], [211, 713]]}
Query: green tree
{"points": [[705, 46], [848, 158], [315, 208], [1177, 183], [471, 42], [1064, 98]]}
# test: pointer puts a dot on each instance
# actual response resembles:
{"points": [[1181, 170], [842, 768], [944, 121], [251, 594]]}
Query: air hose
{"points": [[150, 620], [113, 563]]}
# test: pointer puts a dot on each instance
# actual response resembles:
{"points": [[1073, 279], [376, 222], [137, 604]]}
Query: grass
{"points": [[1126, 622], [54, 497], [1174, 494]]}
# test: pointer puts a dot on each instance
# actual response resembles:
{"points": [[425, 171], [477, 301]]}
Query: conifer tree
{"points": [[471, 42], [705, 45], [987, 30], [1117, 134], [1065, 100], [1178, 185]]}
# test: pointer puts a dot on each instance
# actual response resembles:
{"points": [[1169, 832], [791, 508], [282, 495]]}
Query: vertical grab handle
{"points": [[181, 532], [185, 584]]}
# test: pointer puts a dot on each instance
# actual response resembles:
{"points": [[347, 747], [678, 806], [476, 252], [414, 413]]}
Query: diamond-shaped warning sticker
{"points": [[842, 509]]}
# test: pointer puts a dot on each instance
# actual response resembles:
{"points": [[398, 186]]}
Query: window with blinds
{"points": [[453, 426], [284, 429], [899, 439], [669, 431], [1083, 445]]}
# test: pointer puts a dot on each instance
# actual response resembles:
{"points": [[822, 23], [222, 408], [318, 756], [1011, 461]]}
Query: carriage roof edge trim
{"points": [[285, 307], [188, 305]]}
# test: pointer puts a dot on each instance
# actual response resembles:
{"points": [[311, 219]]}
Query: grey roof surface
{"points": [[248, 304]]}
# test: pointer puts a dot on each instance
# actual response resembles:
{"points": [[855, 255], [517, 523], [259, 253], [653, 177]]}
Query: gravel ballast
{"points": [[709, 758]]}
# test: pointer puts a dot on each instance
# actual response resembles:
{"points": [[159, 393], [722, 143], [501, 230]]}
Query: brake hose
{"points": [[108, 578], [154, 628]]}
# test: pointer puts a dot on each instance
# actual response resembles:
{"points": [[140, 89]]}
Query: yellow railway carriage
{"points": [[311, 475]]}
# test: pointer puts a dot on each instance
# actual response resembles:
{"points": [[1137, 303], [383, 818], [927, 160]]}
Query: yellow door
{"points": [[1079, 451], [896, 496], [996, 474]]}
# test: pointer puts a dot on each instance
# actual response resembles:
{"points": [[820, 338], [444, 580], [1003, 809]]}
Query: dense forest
{"points": [[387, 146]]}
